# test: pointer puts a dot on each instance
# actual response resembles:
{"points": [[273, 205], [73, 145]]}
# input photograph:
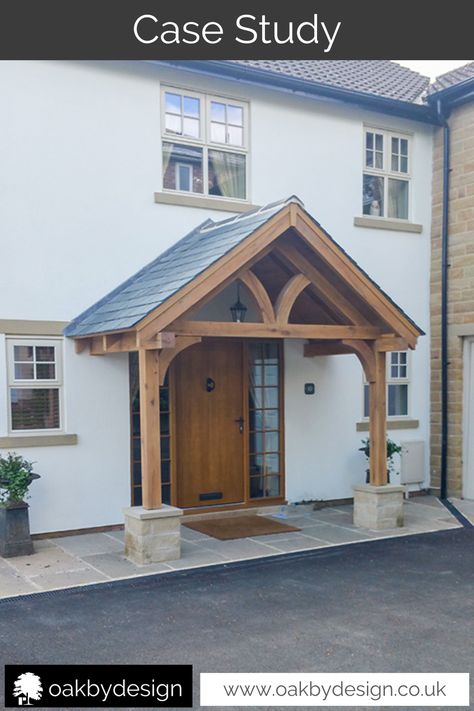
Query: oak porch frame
{"points": [[165, 332]]}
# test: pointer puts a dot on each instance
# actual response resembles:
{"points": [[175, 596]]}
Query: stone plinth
{"points": [[378, 507], [152, 535]]}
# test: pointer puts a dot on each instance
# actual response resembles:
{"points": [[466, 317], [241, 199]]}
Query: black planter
{"points": [[15, 538]]}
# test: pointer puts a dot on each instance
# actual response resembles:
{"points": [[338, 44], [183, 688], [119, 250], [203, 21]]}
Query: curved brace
{"points": [[260, 294], [169, 354], [288, 296], [365, 354]]}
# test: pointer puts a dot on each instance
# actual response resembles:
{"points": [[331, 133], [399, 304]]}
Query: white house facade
{"points": [[105, 166]]}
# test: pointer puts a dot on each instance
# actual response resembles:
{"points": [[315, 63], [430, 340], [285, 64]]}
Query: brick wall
{"points": [[461, 287]]}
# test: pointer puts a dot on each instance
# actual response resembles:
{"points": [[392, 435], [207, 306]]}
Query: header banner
{"points": [[147, 29]]}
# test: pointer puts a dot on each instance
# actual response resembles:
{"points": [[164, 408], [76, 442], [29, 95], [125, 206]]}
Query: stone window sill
{"points": [[396, 424], [49, 440], [383, 223], [207, 203]]}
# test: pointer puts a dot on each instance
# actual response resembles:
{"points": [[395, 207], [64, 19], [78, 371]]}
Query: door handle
{"points": [[240, 422]]}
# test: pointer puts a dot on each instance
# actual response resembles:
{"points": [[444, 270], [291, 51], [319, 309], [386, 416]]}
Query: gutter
{"points": [[444, 303], [225, 69]]}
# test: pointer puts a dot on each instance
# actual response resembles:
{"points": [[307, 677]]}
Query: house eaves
{"points": [[422, 112]]}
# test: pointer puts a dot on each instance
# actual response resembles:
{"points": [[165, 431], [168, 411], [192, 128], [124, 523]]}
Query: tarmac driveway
{"points": [[402, 605]]}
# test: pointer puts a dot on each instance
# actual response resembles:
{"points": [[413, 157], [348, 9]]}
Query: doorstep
{"points": [[90, 558]]}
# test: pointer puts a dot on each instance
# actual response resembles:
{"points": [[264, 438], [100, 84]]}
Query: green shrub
{"points": [[15, 478]]}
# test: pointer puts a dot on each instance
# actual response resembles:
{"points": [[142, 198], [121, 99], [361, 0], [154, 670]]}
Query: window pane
{"points": [[271, 419], [172, 103], [23, 353], [379, 160], [256, 442], [271, 441], [45, 353], [218, 132], [175, 154], [191, 106], [395, 163], [24, 371], [397, 400], [235, 136], [256, 375], [271, 397], [235, 115], [272, 485], [256, 487], [256, 464], [272, 463], [404, 147], [271, 375], [191, 127], [402, 355], [173, 124], [369, 140], [369, 159], [34, 409], [403, 165], [379, 142], [217, 111], [256, 398], [394, 145], [227, 174], [398, 199], [372, 195], [45, 371], [366, 400]]}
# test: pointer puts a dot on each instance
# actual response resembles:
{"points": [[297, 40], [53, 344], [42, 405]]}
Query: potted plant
{"points": [[392, 449], [16, 475]]}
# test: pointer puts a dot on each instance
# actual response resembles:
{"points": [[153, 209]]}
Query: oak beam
{"points": [[259, 293], [149, 383], [391, 343], [325, 348], [365, 354], [165, 339], [288, 295], [321, 284], [260, 330], [378, 422], [168, 355], [367, 290], [97, 347]]}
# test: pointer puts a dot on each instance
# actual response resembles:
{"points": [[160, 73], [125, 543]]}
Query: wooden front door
{"points": [[209, 431]]}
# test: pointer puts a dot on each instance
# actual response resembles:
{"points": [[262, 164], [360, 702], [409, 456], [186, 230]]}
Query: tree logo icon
{"points": [[27, 688]]}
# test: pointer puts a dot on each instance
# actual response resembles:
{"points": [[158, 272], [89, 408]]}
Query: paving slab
{"points": [[89, 543], [115, 565], [67, 579], [46, 560], [11, 583]]}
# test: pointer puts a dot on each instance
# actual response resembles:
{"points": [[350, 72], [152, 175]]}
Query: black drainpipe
{"points": [[444, 305]]}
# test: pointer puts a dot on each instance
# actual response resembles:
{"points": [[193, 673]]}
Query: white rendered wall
{"points": [[80, 164]]}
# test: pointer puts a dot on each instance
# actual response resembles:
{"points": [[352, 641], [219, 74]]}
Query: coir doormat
{"points": [[228, 527]]}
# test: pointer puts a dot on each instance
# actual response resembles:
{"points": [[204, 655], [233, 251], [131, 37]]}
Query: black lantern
{"points": [[238, 310]]}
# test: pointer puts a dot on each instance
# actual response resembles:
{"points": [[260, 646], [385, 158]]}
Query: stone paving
{"points": [[465, 507], [98, 557]]}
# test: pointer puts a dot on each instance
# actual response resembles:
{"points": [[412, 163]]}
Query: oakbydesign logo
{"points": [[27, 687]]}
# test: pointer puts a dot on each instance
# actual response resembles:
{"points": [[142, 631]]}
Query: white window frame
{"points": [[386, 171], [204, 142], [31, 384], [392, 381]]}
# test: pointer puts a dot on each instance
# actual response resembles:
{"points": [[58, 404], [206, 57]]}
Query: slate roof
{"points": [[374, 77], [456, 76], [135, 298], [130, 302]]}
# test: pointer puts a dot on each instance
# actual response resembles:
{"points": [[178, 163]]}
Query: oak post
{"points": [[378, 422], [149, 370]]}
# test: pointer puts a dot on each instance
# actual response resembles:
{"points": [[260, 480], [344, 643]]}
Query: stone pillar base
{"points": [[152, 535], [378, 507]]}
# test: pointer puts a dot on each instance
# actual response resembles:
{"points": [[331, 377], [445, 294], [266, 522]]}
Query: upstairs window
{"points": [[397, 386], [386, 177], [204, 145], [35, 384]]}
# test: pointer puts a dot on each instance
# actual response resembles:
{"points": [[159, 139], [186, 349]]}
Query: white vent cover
{"points": [[412, 461]]}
